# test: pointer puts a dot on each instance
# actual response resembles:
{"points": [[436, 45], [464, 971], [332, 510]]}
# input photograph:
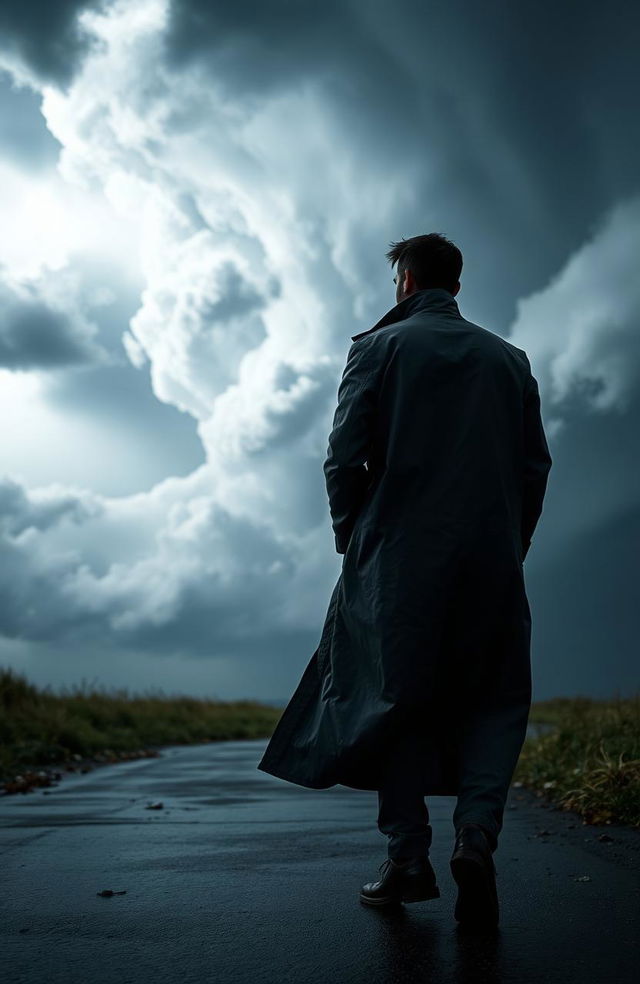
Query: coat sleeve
{"points": [[537, 462], [344, 468]]}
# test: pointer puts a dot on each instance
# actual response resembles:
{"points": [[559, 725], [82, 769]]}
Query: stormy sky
{"points": [[196, 200]]}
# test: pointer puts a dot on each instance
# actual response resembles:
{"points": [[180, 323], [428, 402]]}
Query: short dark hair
{"points": [[433, 260]]}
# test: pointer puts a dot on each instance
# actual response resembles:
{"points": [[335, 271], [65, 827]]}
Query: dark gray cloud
{"points": [[19, 511], [595, 477], [47, 35], [48, 595], [36, 335], [581, 571], [585, 609], [31, 604], [237, 299]]}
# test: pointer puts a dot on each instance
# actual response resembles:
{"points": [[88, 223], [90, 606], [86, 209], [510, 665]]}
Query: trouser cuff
{"points": [[491, 833], [409, 845]]}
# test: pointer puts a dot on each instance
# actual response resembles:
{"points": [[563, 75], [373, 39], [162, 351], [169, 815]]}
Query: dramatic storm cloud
{"points": [[197, 200]]}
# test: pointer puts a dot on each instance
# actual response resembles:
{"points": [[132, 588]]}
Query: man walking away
{"points": [[435, 472], [460, 438]]}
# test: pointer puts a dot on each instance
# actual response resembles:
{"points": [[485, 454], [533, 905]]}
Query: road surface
{"points": [[241, 877]]}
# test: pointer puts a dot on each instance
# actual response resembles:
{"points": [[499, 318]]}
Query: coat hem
{"points": [[311, 784]]}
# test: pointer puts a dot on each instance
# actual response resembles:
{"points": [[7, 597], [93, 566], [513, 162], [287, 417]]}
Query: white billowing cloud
{"points": [[582, 332], [234, 236], [234, 228], [46, 220], [198, 321], [236, 334]]}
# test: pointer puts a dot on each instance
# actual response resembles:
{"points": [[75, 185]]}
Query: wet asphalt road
{"points": [[244, 878]]}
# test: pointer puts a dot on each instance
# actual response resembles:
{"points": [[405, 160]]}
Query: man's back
{"points": [[456, 448]]}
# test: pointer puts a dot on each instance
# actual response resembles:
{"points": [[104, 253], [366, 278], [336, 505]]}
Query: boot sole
{"points": [[477, 898], [433, 893]]}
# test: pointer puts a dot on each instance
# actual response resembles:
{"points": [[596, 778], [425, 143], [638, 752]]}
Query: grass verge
{"points": [[590, 761], [39, 728]]}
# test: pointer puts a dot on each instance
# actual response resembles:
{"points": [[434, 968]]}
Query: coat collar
{"points": [[429, 299]]}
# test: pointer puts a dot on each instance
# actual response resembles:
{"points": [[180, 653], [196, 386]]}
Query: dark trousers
{"points": [[487, 748]]}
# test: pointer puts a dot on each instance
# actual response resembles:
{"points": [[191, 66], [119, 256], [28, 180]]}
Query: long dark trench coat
{"points": [[436, 472]]}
